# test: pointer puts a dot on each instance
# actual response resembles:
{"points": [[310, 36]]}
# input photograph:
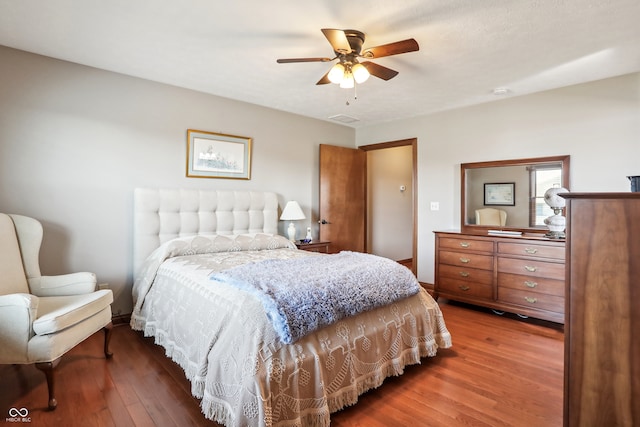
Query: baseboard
{"points": [[428, 286], [121, 319]]}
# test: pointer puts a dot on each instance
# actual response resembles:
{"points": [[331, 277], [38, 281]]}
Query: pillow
{"points": [[203, 244]]}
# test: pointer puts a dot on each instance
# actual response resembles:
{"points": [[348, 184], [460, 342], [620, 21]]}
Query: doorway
{"points": [[391, 192]]}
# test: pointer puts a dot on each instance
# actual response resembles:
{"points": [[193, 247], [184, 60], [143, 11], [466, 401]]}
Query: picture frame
{"points": [[500, 194], [218, 155]]}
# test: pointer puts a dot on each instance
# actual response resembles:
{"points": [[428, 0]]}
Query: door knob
{"points": [[324, 221]]}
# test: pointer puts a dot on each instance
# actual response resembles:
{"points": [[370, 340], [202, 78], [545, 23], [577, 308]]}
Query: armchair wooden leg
{"points": [[47, 368], [107, 339]]}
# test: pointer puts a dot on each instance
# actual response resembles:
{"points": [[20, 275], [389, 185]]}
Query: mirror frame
{"points": [[482, 229]]}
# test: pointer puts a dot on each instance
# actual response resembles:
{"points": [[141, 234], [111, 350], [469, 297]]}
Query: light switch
{"points": [[435, 206]]}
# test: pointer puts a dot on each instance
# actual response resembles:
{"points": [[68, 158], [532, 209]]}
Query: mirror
{"points": [[515, 187]]}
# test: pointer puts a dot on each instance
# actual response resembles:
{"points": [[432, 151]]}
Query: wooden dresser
{"points": [[523, 274], [602, 345]]}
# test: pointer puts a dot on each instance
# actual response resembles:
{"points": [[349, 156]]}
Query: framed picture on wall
{"points": [[216, 155], [500, 194]]}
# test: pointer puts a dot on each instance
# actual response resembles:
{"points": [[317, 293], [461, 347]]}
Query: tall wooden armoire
{"points": [[602, 321]]}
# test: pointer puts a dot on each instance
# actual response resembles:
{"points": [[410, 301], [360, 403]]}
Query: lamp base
{"points": [[291, 232], [556, 224], [555, 235]]}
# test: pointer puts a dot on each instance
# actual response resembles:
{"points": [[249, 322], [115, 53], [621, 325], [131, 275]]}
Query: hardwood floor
{"points": [[501, 371]]}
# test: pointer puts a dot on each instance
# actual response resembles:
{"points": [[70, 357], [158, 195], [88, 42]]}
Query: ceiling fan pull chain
{"points": [[355, 94]]}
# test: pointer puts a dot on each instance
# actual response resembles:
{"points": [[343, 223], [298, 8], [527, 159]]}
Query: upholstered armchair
{"points": [[491, 216], [43, 317]]}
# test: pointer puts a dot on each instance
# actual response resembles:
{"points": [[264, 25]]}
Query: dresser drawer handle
{"points": [[465, 244], [531, 250], [464, 274], [464, 288], [465, 260], [531, 300], [530, 284], [530, 268]]}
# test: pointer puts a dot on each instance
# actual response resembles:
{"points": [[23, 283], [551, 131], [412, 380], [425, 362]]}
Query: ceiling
{"points": [[468, 48]]}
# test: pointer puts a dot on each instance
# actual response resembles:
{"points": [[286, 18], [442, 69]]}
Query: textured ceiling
{"points": [[467, 47]]}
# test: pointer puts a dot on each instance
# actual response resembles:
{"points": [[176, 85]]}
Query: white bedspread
{"points": [[242, 372]]}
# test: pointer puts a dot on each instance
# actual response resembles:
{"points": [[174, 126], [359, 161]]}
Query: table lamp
{"points": [[556, 222], [292, 212]]}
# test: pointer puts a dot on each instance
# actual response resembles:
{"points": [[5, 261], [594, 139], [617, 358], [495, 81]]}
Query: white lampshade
{"points": [[360, 73], [336, 73], [292, 212], [553, 199], [347, 81]]}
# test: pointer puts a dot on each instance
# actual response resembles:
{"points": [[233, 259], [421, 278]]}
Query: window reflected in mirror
{"points": [[543, 177]]}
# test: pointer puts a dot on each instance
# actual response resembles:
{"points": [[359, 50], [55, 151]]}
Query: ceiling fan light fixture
{"points": [[360, 73], [336, 73], [347, 80], [348, 47]]}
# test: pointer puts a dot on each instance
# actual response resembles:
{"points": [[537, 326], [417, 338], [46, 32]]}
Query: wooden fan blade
{"points": [[404, 46], [379, 71], [324, 80], [290, 60], [337, 39]]}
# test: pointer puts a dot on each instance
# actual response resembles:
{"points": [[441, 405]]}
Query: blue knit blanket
{"points": [[302, 295]]}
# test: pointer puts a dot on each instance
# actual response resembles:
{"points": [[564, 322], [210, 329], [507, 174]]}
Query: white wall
{"points": [[75, 141], [390, 211], [597, 124]]}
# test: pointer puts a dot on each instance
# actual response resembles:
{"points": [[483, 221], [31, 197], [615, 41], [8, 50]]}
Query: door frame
{"points": [[413, 142]]}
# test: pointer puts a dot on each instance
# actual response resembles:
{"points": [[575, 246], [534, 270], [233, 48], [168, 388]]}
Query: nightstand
{"points": [[314, 247]]}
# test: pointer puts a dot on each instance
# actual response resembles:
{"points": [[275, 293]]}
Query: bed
{"points": [[241, 365]]}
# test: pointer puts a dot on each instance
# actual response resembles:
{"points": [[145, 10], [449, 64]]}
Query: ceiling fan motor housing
{"points": [[356, 40]]}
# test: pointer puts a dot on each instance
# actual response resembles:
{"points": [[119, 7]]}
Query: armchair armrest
{"points": [[64, 284], [17, 313], [19, 300]]}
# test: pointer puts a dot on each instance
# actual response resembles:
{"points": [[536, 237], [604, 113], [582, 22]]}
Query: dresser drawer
{"points": [[531, 284], [531, 299], [484, 262], [532, 250], [464, 288], [532, 268], [466, 244], [466, 274]]}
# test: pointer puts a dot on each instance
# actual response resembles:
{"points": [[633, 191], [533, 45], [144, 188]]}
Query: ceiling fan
{"points": [[347, 46]]}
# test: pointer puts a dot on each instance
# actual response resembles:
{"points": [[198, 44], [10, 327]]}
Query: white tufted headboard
{"points": [[164, 214]]}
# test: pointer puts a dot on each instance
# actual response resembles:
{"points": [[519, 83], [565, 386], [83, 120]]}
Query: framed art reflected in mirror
{"points": [[499, 194]]}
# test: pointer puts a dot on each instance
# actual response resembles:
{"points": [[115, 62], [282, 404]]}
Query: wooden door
{"points": [[342, 198]]}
